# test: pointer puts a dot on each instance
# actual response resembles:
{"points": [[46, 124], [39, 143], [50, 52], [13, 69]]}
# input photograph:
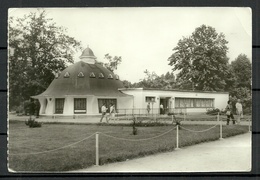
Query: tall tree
{"points": [[242, 70], [241, 67], [201, 60], [38, 48]]}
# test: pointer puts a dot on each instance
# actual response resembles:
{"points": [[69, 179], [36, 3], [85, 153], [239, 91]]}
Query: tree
{"points": [[152, 80], [112, 62], [201, 60], [242, 72], [38, 49], [241, 67]]}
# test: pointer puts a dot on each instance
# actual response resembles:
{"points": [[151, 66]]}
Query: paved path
{"points": [[229, 155], [96, 119]]}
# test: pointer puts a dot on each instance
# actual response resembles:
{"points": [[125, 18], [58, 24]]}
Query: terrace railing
{"points": [[153, 111]]}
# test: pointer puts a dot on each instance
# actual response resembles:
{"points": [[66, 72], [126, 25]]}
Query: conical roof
{"points": [[87, 53], [83, 78]]}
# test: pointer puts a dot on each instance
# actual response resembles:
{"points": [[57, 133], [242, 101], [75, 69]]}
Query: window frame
{"points": [[150, 97], [194, 102]]}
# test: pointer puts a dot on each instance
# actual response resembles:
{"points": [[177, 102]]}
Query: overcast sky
{"points": [[145, 37]]}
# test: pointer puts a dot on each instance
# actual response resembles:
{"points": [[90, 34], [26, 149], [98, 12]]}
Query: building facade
{"points": [[179, 100]]}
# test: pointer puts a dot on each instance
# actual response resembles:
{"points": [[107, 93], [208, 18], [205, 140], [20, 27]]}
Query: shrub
{"points": [[19, 110], [32, 123], [213, 111]]}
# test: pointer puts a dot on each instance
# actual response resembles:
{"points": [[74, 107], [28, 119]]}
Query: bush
{"points": [[213, 111], [19, 110], [32, 123]]}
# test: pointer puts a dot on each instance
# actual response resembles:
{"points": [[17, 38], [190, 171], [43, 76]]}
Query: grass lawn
{"points": [[23, 139]]}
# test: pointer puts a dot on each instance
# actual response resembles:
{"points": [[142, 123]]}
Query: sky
{"points": [[145, 37]]}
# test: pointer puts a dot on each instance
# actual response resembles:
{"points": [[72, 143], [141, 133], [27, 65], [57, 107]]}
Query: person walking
{"points": [[111, 112], [239, 110], [103, 111], [229, 112]]}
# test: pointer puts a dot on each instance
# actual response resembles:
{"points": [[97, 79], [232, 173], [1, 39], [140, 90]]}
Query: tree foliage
{"points": [[113, 62], [38, 48], [201, 60], [242, 70], [152, 80], [242, 75]]}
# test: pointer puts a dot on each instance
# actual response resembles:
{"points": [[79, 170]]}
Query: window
{"points": [[110, 76], [92, 75], [101, 75], [117, 77], [107, 102], [67, 75], [80, 105], [149, 99], [81, 75], [59, 105], [194, 102]]}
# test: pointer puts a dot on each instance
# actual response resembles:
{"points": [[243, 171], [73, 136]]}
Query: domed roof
{"points": [[87, 53], [82, 78]]}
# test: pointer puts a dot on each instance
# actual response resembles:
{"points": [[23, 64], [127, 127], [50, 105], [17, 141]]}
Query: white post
{"points": [[177, 138], [220, 131], [97, 150]]}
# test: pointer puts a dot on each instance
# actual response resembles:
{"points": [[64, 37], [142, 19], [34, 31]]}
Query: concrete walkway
{"points": [[228, 155]]}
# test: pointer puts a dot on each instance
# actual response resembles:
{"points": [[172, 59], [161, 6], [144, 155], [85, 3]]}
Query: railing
{"points": [[153, 111]]}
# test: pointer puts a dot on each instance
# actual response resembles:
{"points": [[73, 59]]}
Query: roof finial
{"points": [[88, 46]]}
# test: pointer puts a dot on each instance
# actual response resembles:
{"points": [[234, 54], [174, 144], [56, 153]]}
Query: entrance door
{"points": [[59, 105], [165, 101]]}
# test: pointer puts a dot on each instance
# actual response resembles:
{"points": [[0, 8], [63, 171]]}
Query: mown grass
{"points": [[82, 155]]}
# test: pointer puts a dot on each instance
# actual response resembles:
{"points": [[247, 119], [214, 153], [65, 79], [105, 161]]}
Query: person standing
{"points": [[229, 112], [239, 109], [161, 109], [148, 108], [103, 111]]}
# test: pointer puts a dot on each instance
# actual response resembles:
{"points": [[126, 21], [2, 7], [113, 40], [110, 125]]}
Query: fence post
{"points": [[220, 130], [97, 150], [172, 119], [218, 117], [177, 138]]}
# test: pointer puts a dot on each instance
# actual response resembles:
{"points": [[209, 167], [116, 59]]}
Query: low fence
{"points": [[219, 123], [152, 111]]}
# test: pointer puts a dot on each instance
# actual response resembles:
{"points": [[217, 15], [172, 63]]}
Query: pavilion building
{"points": [[82, 88]]}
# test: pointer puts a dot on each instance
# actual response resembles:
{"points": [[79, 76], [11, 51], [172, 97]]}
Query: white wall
{"points": [[220, 99]]}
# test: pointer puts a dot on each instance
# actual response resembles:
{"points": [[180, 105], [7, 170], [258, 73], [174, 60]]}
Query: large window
{"points": [[194, 103], [80, 106], [59, 104], [149, 99], [107, 102]]}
